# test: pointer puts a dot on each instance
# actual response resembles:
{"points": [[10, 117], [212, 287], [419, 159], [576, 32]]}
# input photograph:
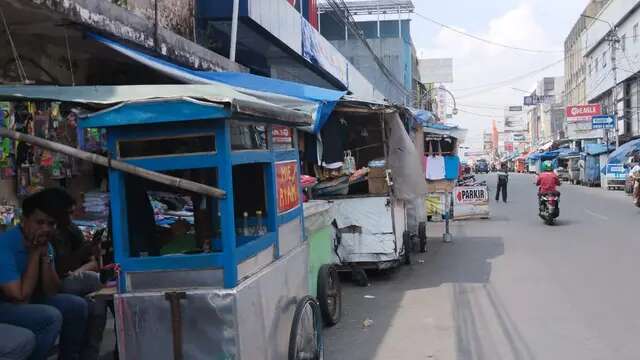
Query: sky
{"points": [[532, 24]]}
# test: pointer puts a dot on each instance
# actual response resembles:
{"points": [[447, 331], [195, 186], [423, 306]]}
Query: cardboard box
{"points": [[440, 186], [377, 181]]}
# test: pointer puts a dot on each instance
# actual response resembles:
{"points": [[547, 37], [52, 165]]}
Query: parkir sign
{"points": [[578, 113]]}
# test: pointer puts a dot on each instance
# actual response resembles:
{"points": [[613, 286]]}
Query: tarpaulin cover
{"points": [[624, 151], [318, 101], [404, 161], [596, 149], [366, 225]]}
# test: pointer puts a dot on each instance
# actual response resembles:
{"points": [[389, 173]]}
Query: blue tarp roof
{"points": [[596, 149], [625, 150], [549, 155], [325, 100]]}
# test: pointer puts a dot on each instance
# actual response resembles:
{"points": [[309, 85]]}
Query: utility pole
{"points": [[614, 40]]}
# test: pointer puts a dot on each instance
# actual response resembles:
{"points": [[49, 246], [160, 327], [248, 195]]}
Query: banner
{"points": [[319, 51], [287, 186], [578, 113], [478, 195]]}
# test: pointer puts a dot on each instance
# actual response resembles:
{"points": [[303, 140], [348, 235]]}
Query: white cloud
{"points": [[477, 63]]}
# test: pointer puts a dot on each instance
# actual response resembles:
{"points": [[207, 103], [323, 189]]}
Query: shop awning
{"points": [[212, 95], [620, 155], [316, 101], [546, 146]]}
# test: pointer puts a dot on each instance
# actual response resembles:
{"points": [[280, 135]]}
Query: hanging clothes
{"points": [[451, 167], [333, 140], [435, 168]]}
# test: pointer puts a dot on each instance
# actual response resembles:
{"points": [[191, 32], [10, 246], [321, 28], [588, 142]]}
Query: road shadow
{"points": [[465, 261]]}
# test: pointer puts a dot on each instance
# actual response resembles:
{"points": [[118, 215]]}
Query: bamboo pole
{"points": [[116, 164]]}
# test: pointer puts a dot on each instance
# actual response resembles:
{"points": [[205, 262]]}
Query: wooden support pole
{"points": [[115, 164]]}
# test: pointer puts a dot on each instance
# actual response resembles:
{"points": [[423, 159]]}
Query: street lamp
{"points": [[428, 94], [613, 39]]}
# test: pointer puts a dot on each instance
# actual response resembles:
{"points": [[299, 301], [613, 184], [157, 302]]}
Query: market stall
{"points": [[207, 222], [590, 164], [442, 169], [368, 168]]}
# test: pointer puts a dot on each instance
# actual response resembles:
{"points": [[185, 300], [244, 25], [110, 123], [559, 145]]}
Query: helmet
{"points": [[547, 166]]}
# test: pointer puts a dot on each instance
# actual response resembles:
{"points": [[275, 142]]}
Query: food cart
{"points": [[207, 222], [370, 205]]}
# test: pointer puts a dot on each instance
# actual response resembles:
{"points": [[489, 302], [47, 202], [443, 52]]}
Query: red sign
{"points": [[508, 146], [583, 112], [287, 186], [281, 135]]}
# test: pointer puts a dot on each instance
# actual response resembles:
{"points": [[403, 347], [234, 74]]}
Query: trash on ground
{"points": [[366, 323]]}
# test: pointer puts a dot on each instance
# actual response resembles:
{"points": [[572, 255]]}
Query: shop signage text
{"points": [[603, 122], [471, 195], [578, 113], [287, 186]]}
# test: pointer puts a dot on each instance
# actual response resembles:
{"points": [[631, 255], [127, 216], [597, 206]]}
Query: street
{"points": [[507, 288]]}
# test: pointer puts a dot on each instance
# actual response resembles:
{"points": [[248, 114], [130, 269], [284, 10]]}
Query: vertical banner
{"points": [[288, 194]]}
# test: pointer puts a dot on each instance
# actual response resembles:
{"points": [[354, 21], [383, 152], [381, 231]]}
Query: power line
{"points": [[491, 42], [479, 114], [506, 82]]}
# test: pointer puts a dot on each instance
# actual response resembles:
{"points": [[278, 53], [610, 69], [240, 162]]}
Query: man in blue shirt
{"points": [[29, 283]]}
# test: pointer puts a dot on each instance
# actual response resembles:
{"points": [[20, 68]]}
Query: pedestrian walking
{"points": [[503, 180]]}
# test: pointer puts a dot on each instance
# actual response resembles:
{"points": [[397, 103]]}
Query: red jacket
{"points": [[547, 182]]}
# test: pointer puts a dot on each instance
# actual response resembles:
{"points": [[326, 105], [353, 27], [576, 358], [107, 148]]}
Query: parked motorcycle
{"points": [[549, 207]]}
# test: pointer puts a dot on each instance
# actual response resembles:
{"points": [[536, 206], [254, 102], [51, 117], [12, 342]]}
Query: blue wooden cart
{"points": [[204, 277]]}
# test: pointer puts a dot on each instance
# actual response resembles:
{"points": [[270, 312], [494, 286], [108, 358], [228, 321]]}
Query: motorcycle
{"points": [[549, 207]]}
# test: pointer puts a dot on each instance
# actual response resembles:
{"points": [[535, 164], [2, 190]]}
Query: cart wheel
{"points": [[406, 242], [329, 294], [305, 341], [422, 235]]}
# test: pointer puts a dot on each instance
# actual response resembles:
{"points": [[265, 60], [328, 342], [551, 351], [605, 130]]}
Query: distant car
{"points": [[482, 166]]}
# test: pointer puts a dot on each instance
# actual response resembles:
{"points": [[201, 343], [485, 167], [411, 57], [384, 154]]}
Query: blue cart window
{"points": [[163, 220], [189, 144], [248, 136], [250, 201]]}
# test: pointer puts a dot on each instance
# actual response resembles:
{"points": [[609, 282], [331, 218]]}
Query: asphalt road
{"points": [[508, 288]]}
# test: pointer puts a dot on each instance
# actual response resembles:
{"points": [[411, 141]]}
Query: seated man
{"points": [[16, 343], [78, 268], [29, 284]]}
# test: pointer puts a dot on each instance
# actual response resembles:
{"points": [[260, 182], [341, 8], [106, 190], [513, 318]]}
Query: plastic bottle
{"points": [[245, 224], [259, 227]]}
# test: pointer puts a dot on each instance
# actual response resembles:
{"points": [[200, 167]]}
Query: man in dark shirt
{"points": [[77, 267]]}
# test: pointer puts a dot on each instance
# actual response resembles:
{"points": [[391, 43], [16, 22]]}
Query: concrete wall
{"points": [[120, 23], [391, 51], [174, 15]]}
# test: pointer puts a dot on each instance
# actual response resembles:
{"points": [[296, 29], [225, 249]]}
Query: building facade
{"points": [[376, 43], [620, 51], [546, 121]]}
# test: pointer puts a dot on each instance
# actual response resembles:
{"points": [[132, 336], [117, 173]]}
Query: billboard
{"points": [[578, 113], [538, 99], [436, 70]]}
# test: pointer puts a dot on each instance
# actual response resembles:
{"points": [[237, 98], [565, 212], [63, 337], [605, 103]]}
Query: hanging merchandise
{"points": [[435, 168], [7, 215], [349, 166]]}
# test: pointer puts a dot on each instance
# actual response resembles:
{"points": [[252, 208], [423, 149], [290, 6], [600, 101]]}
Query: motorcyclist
{"points": [[548, 180]]}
